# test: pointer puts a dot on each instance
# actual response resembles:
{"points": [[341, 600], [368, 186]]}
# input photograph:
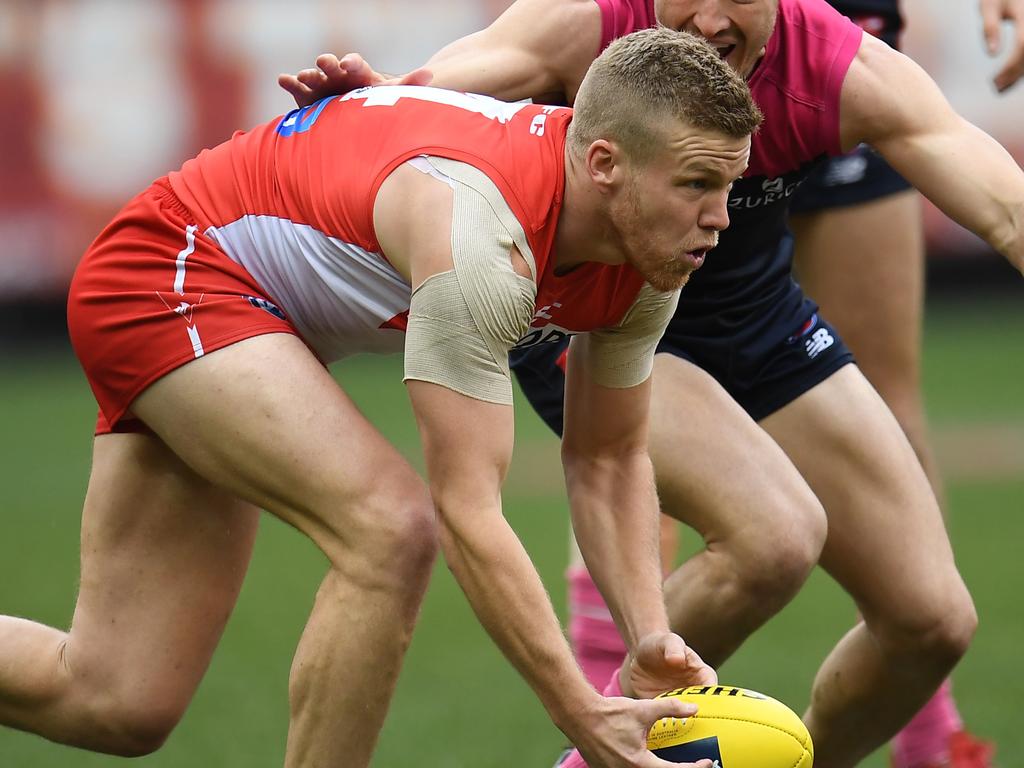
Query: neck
{"points": [[585, 232]]}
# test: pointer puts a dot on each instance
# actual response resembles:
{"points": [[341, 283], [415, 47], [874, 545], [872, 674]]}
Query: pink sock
{"points": [[595, 639], [925, 739]]}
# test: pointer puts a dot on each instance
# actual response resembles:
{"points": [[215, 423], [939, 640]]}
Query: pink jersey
{"points": [[797, 83], [292, 202]]}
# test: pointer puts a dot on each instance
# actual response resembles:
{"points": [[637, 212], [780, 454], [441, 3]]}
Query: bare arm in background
{"points": [[889, 102], [537, 49]]}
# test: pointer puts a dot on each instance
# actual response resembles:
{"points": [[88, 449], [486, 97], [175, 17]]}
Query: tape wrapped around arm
{"points": [[463, 322]]}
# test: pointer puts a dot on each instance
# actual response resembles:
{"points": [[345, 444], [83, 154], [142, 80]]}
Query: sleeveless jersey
{"points": [[292, 202], [797, 85], [881, 18]]}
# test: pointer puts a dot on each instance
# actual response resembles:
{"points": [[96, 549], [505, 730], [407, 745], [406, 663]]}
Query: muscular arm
{"points": [[537, 48], [890, 103], [613, 499], [467, 442]]}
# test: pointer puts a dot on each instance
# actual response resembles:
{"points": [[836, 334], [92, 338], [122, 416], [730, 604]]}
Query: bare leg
{"points": [[163, 556], [875, 249], [887, 547], [264, 421], [719, 473]]}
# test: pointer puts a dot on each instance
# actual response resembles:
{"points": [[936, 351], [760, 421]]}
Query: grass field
{"points": [[458, 703]]}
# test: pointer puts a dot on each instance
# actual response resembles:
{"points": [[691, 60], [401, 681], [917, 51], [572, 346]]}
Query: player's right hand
{"points": [[333, 77], [614, 734]]}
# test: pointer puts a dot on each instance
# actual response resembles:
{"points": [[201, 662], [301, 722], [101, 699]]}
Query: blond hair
{"points": [[644, 78]]}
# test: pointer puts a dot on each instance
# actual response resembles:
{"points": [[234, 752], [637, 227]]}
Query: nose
{"points": [[709, 20], [715, 214]]}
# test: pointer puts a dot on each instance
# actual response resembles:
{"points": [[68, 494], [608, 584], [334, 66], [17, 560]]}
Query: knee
{"points": [[937, 633], [387, 536], [770, 564], [131, 725]]}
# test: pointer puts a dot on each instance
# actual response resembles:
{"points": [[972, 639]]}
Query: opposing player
{"points": [[751, 377], [203, 313]]}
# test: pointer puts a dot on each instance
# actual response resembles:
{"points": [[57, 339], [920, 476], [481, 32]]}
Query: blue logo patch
{"points": [[266, 306], [692, 751], [301, 120]]}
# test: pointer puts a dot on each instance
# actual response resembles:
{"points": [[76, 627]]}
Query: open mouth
{"points": [[724, 49], [696, 258]]}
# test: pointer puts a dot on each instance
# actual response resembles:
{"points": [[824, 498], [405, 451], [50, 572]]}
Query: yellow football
{"points": [[736, 728]]}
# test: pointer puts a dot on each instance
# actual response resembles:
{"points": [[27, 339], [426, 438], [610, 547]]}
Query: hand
{"points": [[662, 662], [615, 732], [993, 13], [334, 77]]}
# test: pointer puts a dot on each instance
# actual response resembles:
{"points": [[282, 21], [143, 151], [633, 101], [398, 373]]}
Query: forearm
{"points": [[615, 517], [974, 181], [504, 590]]}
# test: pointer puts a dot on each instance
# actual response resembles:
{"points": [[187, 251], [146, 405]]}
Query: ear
{"points": [[605, 165]]}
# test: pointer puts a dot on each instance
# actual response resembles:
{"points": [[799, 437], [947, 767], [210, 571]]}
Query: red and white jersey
{"points": [[292, 201]]}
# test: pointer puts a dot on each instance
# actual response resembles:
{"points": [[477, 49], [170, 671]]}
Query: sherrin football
{"points": [[734, 727]]}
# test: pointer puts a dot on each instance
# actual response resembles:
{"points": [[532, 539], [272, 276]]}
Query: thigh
{"points": [[717, 470], [886, 541], [864, 265], [164, 553], [265, 420]]}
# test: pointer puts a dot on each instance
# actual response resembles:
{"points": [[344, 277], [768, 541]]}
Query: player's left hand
{"points": [[993, 13], [662, 662], [333, 77]]}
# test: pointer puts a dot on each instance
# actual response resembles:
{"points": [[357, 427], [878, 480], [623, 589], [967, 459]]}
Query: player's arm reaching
{"points": [[471, 304], [889, 102], [528, 52], [612, 496]]}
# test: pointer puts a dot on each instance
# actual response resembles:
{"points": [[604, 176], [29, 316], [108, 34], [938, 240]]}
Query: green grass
{"points": [[458, 702]]}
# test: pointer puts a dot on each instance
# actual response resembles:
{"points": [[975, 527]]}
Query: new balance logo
{"points": [[820, 340]]}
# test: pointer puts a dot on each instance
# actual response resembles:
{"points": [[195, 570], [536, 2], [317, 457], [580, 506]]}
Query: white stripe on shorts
{"points": [[184, 253]]}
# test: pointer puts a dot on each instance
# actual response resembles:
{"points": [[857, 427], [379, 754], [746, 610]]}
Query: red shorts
{"points": [[152, 293]]}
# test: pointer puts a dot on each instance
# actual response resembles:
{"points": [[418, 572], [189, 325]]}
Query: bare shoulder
{"points": [[885, 94]]}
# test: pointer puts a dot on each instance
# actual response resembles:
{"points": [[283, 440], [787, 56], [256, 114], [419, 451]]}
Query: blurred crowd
{"points": [[102, 96]]}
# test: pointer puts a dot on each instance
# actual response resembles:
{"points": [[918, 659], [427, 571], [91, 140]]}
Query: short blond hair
{"points": [[644, 78]]}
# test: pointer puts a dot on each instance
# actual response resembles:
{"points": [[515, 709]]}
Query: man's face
{"points": [[670, 209], [739, 29]]}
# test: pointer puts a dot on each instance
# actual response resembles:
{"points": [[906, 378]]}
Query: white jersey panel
{"points": [[338, 295]]}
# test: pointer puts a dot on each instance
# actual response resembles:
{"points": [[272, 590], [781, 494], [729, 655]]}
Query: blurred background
{"points": [[99, 97]]}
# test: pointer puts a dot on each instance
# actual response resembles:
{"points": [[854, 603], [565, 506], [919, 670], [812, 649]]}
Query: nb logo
{"points": [[820, 340]]}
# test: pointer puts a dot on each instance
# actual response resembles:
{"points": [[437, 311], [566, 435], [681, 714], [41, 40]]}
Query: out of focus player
{"points": [[745, 330], [453, 227]]}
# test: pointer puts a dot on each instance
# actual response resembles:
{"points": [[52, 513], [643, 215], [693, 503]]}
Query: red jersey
{"points": [[292, 202]]}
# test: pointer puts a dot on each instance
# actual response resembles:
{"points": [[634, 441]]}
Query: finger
{"points": [[1013, 67], [295, 89], [674, 649], [311, 78], [653, 761], [329, 63], [349, 64], [990, 18], [659, 709], [421, 76]]}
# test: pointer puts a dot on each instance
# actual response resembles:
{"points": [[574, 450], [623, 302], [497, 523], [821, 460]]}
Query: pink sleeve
{"points": [[620, 17]]}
